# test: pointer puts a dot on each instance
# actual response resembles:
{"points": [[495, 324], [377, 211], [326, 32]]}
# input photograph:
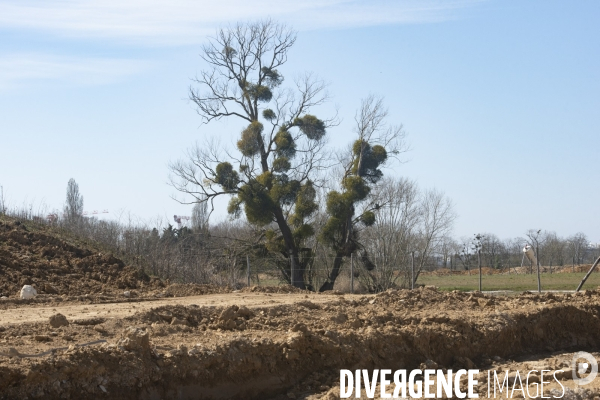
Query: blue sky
{"points": [[500, 99]]}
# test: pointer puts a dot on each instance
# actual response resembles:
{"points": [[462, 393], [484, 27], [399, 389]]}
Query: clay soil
{"points": [[65, 268], [262, 345], [89, 341]]}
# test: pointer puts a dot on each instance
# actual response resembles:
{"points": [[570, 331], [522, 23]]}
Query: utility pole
{"points": [[479, 262], [292, 262], [537, 253], [412, 270], [248, 269], [478, 246], [352, 273], [535, 238]]}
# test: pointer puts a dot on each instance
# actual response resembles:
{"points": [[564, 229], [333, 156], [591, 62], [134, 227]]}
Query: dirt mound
{"points": [[273, 289], [62, 268], [510, 271], [548, 269], [447, 271], [192, 289], [55, 265], [576, 268], [275, 350]]}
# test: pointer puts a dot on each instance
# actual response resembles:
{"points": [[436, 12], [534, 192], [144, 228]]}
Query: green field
{"points": [[564, 281], [517, 283]]}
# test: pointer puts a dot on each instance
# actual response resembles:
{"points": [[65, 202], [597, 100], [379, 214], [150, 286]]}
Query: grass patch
{"points": [[563, 281]]}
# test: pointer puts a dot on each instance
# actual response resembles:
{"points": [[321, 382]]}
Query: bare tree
{"points": [[577, 245], [74, 203], [2, 201], [437, 219], [491, 250], [465, 253], [200, 216], [389, 240], [512, 252], [447, 249], [553, 250]]}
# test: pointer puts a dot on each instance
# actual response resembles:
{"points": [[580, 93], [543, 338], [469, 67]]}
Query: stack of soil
{"points": [[38, 256]]}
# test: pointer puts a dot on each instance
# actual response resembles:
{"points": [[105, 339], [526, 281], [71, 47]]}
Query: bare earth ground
{"points": [[516, 388], [77, 311], [261, 345]]}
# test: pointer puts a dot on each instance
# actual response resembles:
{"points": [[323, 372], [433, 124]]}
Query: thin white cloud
{"points": [[32, 68], [187, 21]]}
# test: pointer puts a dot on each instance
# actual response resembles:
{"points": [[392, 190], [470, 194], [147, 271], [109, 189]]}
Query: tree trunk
{"points": [[412, 270], [335, 271], [297, 273], [345, 250], [539, 282], [479, 264]]}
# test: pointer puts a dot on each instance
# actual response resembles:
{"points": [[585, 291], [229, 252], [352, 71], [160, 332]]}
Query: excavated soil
{"points": [[527, 385], [62, 268], [251, 347]]}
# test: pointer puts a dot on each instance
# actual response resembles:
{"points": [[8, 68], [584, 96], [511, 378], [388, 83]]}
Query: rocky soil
{"points": [[285, 350]]}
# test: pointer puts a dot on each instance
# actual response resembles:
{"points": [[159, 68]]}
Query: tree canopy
{"points": [[376, 141], [274, 172], [74, 202], [281, 148]]}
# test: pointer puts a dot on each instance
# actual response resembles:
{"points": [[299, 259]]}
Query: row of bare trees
{"points": [[551, 250], [411, 230]]}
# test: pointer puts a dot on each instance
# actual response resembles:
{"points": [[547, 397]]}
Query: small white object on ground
{"points": [[127, 293], [28, 292]]}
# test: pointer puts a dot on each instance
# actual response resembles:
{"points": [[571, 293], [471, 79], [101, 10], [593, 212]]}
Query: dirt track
{"points": [[76, 312]]}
